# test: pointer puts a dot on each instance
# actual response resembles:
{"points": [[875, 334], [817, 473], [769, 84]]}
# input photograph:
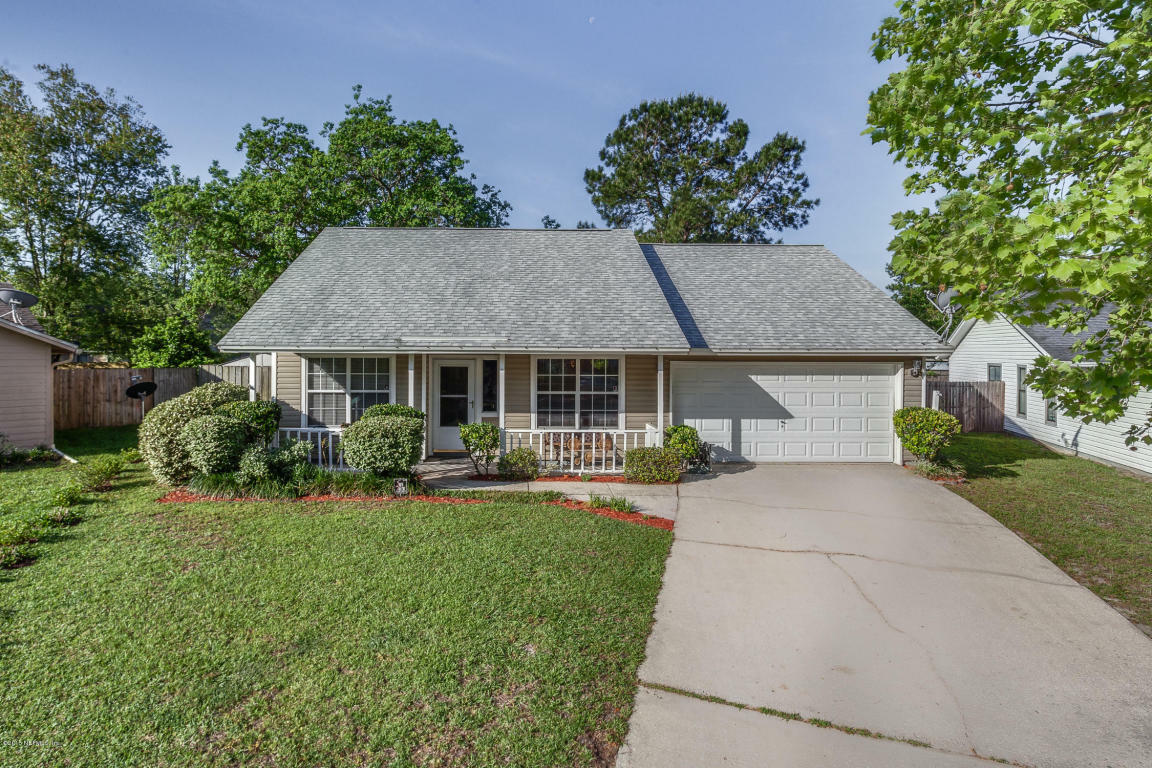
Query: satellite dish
{"points": [[141, 390], [15, 300], [943, 299]]}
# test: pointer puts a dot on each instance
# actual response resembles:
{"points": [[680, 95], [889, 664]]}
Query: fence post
{"points": [[936, 399]]}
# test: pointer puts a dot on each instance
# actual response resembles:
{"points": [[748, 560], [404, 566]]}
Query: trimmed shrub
{"points": [[682, 440], [519, 464], [652, 465], [483, 444], [96, 473], [262, 417], [256, 463], [67, 495], [383, 445], [393, 409], [160, 431], [924, 431], [131, 456], [214, 443]]}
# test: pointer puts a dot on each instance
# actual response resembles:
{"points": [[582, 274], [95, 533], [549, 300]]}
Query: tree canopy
{"points": [[75, 175], [679, 170], [1035, 118], [175, 342], [228, 237]]}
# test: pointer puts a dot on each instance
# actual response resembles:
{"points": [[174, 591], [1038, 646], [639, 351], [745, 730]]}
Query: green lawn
{"points": [[319, 634], [1093, 521]]}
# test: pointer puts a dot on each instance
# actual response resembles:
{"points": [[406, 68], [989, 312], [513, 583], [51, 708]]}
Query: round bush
{"points": [[519, 464], [383, 445], [482, 441], [682, 440], [392, 409], [262, 417], [256, 463], [160, 430], [214, 443], [66, 496], [925, 431], [652, 465]]}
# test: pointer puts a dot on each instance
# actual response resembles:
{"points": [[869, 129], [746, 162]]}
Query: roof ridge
{"points": [[484, 229], [759, 245]]}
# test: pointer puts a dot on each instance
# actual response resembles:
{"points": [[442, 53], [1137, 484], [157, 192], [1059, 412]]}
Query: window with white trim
{"points": [[338, 389], [578, 392]]}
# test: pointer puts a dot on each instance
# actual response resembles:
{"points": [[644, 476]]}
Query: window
{"points": [[338, 389], [578, 392], [994, 373], [1021, 391], [490, 386], [1050, 409]]}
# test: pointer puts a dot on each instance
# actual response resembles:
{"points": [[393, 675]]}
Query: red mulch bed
{"points": [[181, 496], [662, 523]]}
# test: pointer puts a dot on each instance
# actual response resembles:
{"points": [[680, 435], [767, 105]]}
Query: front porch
{"points": [[579, 413]]}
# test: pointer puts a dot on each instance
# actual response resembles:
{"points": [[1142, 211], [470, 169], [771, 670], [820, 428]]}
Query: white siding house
{"points": [[984, 349]]}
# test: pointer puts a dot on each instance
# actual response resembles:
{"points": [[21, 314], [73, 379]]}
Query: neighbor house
{"points": [[26, 399], [584, 343], [1000, 350]]}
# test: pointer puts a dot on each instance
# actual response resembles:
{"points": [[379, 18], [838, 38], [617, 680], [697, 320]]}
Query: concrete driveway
{"points": [[870, 598]]}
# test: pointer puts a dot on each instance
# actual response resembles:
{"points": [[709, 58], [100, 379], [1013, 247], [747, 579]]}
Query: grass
{"points": [[307, 633], [1092, 520]]}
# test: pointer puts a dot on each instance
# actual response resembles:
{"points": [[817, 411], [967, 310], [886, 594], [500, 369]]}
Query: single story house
{"points": [[584, 343], [1001, 350], [26, 355]]}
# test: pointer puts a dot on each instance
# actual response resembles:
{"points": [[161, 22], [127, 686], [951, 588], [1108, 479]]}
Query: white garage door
{"points": [[788, 411]]}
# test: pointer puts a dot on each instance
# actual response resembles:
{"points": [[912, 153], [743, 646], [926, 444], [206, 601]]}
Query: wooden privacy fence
{"points": [[94, 397], [978, 404]]}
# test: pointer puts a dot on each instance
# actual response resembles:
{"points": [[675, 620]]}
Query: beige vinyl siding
{"points": [[1001, 342], [640, 391], [288, 388], [26, 384], [518, 391]]}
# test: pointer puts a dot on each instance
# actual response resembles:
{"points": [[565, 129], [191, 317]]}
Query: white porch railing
{"points": [[562, 450], [325, 444], [578, 450]]}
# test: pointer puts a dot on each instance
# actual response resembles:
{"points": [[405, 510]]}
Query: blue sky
{"points": [[532, 88]]}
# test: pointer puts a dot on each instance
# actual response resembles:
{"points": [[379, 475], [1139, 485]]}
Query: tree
{"points": [[549, 223], [176, 342], [1034, 116], [230, 236], [75, 175], [678, 170], [914, 298]]}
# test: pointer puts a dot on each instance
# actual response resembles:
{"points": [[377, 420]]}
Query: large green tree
{"points": [[679, 170], [1035, 116], [75, 174], [228, 237]]}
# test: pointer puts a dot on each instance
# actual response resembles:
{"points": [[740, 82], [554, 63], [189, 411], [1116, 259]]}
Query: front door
{"points": [[453, 399]]}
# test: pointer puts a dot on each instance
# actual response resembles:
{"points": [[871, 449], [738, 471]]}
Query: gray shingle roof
{"points": [[500, 289], [27, 319], [1058, 343], [787, 298], [473, 289]]}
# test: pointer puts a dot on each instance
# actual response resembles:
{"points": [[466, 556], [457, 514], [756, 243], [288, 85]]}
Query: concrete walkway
{"points": [[871, 598]]}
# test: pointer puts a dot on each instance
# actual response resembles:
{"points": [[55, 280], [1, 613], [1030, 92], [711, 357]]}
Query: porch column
{"points": [[411, 379], [251, 376], [660, 399], [425, 377], [500, 399]]}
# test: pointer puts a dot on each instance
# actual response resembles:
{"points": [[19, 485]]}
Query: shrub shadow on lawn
{"points": [[990, 455]]}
